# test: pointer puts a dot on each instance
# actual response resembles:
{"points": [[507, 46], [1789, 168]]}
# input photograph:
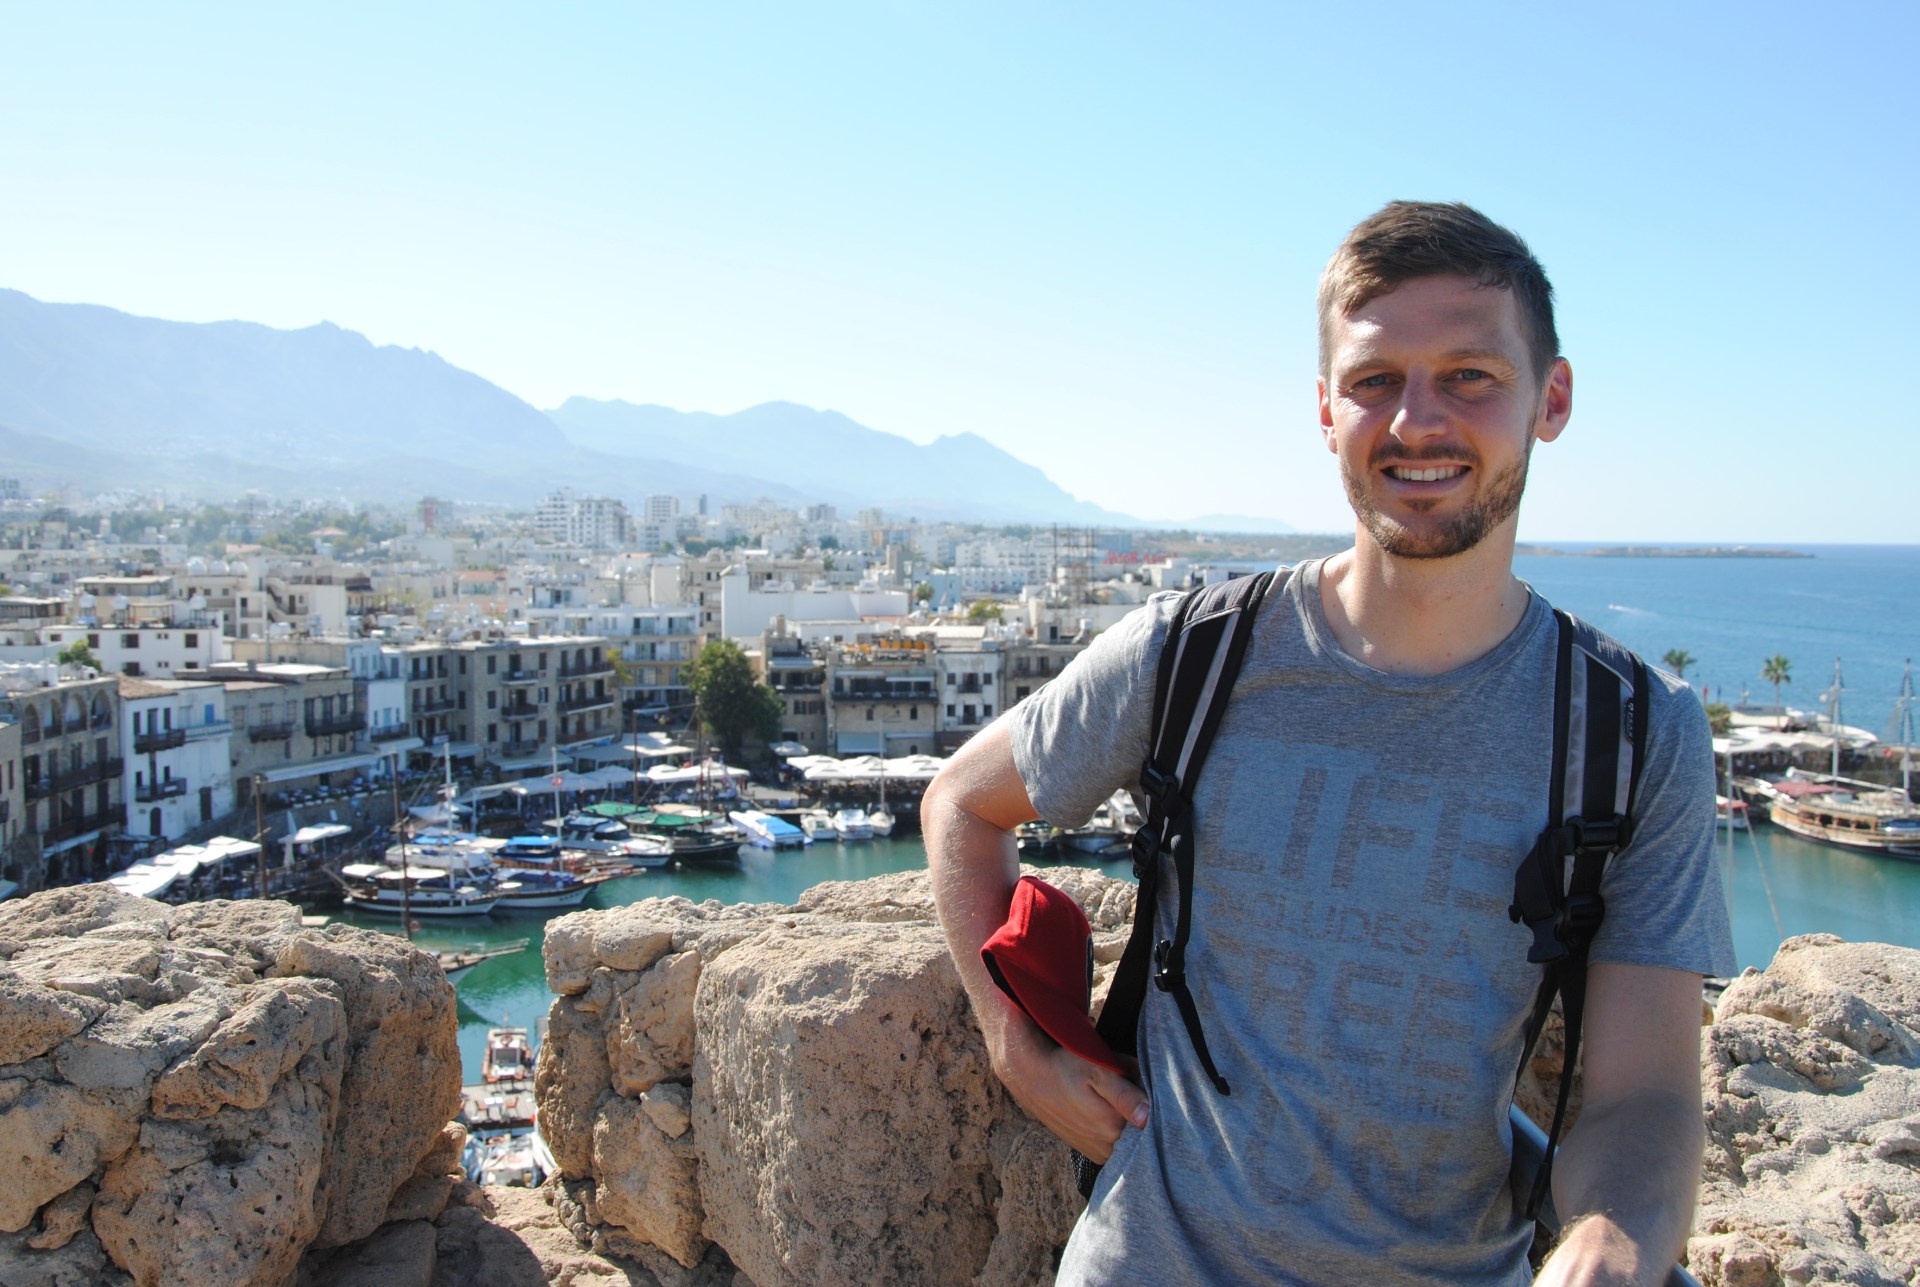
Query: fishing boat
{"points": [[1842, 811], [508, 1057], [414, 891]]}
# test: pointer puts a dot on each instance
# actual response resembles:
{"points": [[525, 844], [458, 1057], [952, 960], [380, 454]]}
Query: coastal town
{"points": [[168, 675]]}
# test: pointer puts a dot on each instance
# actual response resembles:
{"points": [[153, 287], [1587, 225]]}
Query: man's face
{"points": [[1431, 403]]}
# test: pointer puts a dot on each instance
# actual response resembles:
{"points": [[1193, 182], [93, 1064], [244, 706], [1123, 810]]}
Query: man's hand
{"points": [[967, 816], [1081, 1102]]}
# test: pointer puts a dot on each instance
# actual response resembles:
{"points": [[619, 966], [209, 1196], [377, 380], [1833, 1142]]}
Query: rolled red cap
{"points": [[1043, 959]]}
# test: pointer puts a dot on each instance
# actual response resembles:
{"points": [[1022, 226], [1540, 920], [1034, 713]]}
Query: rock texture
{"points": [[1811, 1074], [197, 1095], [798, 1091]]}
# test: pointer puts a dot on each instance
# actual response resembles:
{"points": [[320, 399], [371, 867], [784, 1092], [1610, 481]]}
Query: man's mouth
{"points": [[1424, 473]]}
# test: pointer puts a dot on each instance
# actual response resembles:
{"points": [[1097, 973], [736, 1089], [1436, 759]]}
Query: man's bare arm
{"points": [[1629, 1172], [968, 816]]}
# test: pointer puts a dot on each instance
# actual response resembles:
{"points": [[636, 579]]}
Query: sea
{"points": [[1859, 604]]}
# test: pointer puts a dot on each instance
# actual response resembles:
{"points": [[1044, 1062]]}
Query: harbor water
{"points": [[1858, 603]]}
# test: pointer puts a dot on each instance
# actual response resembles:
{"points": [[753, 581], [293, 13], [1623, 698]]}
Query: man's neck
{"points": [[1422, 616]]}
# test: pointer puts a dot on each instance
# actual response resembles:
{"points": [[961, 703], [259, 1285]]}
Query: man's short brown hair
{"points": [[1409, 239]]}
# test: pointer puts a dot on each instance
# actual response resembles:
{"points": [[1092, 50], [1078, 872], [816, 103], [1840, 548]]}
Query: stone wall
{"points": [[744, 1096], [200, 1094], [784, 1096]]}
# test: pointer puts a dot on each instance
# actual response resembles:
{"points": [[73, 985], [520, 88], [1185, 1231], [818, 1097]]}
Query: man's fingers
{"points": [[1127, 1099]]}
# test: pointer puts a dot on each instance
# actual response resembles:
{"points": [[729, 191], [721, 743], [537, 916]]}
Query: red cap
{"points": [[1043, 958]]}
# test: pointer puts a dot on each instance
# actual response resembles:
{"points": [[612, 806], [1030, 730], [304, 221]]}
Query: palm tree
{"points": [[1777, 670], [1678, 659]]}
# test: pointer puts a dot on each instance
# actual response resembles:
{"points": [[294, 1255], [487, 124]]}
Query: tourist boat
{"points": [[764, 831], [818, 824], [508, 1056], [1730, 813], [695, 835], [590, 833], [414, 891], [532, 890], [1841, 811]]}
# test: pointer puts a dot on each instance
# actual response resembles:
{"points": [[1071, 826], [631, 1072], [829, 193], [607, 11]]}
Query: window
{"points": [[493, 699], [949, 710], [987, 710], [493, 732], [952, 679], [193, 639], [129, 641], [913, 712], [463, 663], [493, 664], [543, 730]]}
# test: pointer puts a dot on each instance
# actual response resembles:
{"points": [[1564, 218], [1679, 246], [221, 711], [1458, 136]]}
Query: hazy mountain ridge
{"points": [[96, 397]]}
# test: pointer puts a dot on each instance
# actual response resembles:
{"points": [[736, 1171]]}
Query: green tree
{"points": [[732, 704], [984, 610], [1678, 659], [1719, 718], [623, 679], [77, 654], [1777, 670], [923, 593]]}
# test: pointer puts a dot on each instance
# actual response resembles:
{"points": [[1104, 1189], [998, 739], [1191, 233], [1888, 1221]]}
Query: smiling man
{"points": [[1381, 769]]}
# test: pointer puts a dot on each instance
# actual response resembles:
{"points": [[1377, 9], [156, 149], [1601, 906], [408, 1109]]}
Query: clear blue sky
{"points": [[1089, 233]]}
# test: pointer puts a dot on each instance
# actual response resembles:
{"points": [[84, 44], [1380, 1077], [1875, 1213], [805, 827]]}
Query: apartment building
{"points": [[654, 643], [967, 659], [12, 813], [291, 723], [70, 766], [884, 695], [797, 674], [174, 739]]}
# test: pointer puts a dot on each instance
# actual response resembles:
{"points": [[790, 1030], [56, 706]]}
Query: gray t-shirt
{"points": [[1361, 987]]}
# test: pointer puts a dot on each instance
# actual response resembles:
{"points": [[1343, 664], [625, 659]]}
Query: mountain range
{"points": [[101, 399]]}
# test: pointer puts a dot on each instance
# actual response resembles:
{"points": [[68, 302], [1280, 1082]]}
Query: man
{"points": [[1381, 769]]}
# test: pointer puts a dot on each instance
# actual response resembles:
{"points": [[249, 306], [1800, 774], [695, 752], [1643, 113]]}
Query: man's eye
{"points": [[1471, 373], [1371, 382]]}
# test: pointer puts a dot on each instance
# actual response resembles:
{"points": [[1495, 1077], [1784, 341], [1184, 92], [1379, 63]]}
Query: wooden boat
{"points": [[458, 964], [413, 891], [508, 1057], [1730, 813], [1852, 814]]}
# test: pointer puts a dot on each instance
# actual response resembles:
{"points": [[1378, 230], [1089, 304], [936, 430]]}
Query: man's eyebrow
{"points": [[1360, 357]]}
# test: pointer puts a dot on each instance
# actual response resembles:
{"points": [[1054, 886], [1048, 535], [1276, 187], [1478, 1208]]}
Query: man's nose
{"points": [[1422, 414]]}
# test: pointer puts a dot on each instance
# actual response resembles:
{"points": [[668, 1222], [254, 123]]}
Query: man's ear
{"points": [[1326, 413], [1556, 402]]}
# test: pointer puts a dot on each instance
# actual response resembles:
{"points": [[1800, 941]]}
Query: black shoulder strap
{"points": [[1600, 716], [1206, 641]]}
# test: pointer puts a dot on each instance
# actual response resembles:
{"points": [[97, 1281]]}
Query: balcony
{"points": [[435, 705], [569, 705], [159, 739], [208, 728], [523, 676], [78, 824], [969, 686], [328, 725], [164, 789], [588, 671], [86, 775], [389, 733], [915, 691], [520, 710], [270, 731], [520, 750]]}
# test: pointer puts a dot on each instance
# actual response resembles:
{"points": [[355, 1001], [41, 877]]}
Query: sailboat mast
{"points": [[1833, 718], [1906, 729]]}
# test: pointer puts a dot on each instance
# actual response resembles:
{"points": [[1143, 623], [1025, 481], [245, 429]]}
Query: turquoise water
{"points": [[1855, 602]]}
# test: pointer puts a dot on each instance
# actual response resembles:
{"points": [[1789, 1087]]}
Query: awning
{"points": [[705, 771], [524, 763], [8, 888], [324, 831], [612, 775], [547, 785], [787, 749], [314, 768]]}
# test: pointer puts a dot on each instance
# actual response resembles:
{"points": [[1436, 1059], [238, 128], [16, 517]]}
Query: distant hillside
{"points": [[102, 399]]}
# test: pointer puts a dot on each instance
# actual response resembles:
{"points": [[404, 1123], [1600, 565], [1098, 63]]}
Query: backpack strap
{"points": [[1206, 641], [1600, 718]]}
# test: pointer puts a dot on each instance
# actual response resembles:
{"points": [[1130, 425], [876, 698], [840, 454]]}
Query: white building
{"points": [[748, 606], [174, 740], [596, 522]]}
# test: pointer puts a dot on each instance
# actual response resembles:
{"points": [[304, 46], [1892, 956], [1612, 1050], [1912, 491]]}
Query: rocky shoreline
{"points": [[738, 1096]]}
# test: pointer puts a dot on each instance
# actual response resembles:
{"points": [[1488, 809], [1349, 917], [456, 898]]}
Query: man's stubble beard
{"points": [[1497, 502]]}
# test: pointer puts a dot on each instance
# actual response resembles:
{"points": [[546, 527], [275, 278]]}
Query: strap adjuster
{"points": [[1168, 973], [1156, 784], [1598, 835], [1145, 847]]}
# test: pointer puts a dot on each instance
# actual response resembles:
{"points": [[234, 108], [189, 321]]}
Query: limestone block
{"points": [[52, 1137], [240, 1062], [34, 1019], [843, 1110], [73, 911], [249, 932], [422, 1197], [1812, 1098], [128, 1048], [401, 1031], [669, 1106], [650, 1029], [397, 1255], [227, 1202], [632, 942], [647, 1180], [570, 1077]]}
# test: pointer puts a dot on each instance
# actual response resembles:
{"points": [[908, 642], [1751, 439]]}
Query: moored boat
{"points": [[1841, 811], [1730, 813], [508, 1057], [413, 891], [764, 831]]}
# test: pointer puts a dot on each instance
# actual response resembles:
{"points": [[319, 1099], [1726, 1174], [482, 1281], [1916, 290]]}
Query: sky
{"points": [[1088, 233]]}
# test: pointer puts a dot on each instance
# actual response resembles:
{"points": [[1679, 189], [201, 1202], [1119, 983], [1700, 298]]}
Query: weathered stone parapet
{"points": [[197, 1095], [804, 1087], [1811, 1076]]}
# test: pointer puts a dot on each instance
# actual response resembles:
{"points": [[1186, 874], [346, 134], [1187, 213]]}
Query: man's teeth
{"points": [[1432, 475]]}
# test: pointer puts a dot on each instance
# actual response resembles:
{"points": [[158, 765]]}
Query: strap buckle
{"points": [[1598, 835], [1145, 847], [1155, 784], [1168, 973]]}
